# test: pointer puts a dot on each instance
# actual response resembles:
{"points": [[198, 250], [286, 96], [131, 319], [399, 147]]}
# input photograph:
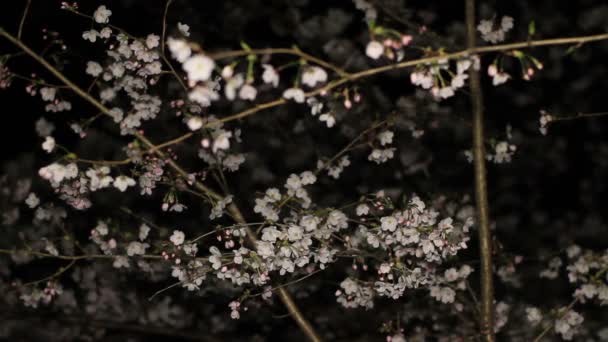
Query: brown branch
{"points": [[481, 191], [279, 51], [406, 64]]}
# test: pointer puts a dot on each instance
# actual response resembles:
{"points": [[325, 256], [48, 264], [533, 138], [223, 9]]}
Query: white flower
{"points": [[386, 137], [374, 49], [506, 23], [463, 65], [443, 294], [500, 78], [265, 249], [48, 94], [94, 69], [233, 161], [423, 79], [221, 142], [32, 200], [234, 306], [328, 119], [102, 15], [379, 156], [485, 27], [362, 210], [152, 41], [545, 119], [90, 35], [315, 105], [184, 29], [49, 144], [445, 92], [388, 223], [136, 248], [195, 123], [451, 274], [308, 178], [270, 234], [533, 315], [177, 237], [295, 233], [295, 94], [458, 81], [44, 128], [54, 172], [216, 258], [180, 49], [102, 228], [270, 75], [50, 247], [105, 33], [117, 114], [313, 75], [120, 262], [99, 178], [198, 68], [143, 232], [248, 92], [232, 84], [203, 95], [123, 182], [489, 34]]}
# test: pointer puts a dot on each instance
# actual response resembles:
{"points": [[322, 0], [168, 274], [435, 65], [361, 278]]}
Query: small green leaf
{"points": [[245, 46], [531, 28], [572, 49]]}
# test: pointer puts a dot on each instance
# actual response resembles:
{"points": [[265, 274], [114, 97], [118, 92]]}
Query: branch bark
{"points": [[481, 190]]}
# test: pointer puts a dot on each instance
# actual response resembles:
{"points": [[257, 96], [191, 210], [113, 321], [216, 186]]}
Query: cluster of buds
{"points": [[442, 81], [226, 236], [171, 256], [67, 6], [5, 76], [545, 119], [387, 42]]}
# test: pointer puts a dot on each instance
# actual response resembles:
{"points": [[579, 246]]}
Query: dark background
{"points": [[552, 194]]}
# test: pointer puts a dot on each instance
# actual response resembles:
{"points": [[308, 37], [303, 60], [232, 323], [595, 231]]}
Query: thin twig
{"points": [[577, 116], [288, 283], [59, 272], [162, 48], [72, 257], [548, 328], [279, 51], [27, 7]]}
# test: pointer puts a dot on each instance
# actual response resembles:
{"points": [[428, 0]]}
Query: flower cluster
{"points": [[419, 242], [438, 77], [495, 33], [382, 153]]}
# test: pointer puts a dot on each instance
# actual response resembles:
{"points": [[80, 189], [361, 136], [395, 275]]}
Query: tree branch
{"points": [[481, 191]]}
